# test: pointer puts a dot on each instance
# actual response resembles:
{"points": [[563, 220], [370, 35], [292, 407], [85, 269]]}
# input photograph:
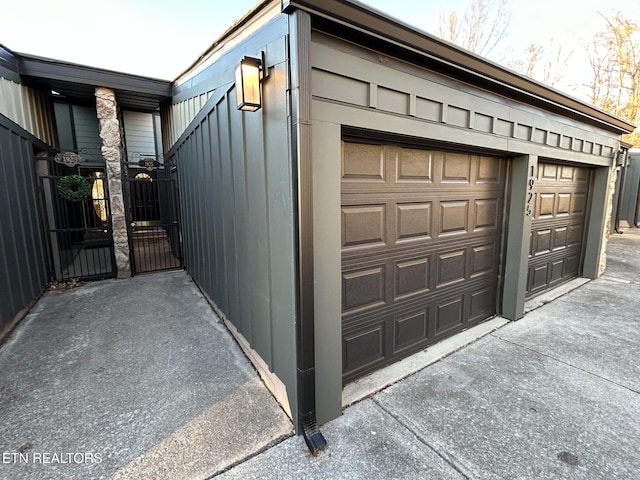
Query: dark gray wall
{"points": [[630, 205], [238, 210], [22, 249]]}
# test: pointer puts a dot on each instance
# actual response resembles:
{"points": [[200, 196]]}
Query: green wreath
{"points": [[74, 188]]}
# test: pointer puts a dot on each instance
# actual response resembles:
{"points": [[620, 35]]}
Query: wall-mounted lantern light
{"points": [[249, 76]]}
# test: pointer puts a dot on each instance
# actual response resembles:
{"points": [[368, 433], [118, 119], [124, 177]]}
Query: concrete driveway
{"points": [[129, 379], [555, 395]]}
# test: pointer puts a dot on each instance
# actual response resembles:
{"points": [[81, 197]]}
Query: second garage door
{"points": [[421, 242], [560, 206]]}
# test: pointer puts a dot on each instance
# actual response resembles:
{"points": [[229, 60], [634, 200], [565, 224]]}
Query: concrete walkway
{"points": [[141, 375], [129, 379]]}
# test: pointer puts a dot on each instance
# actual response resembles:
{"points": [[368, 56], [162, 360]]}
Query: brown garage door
{"points": [[421, 235], [557, 230]]}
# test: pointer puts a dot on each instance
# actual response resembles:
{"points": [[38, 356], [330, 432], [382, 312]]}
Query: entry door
{"points": [[560, 206], [421, 241]]}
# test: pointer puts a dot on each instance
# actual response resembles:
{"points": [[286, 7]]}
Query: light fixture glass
{"points": [[248, 91]]}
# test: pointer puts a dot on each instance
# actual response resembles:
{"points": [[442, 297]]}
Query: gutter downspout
{"points": [[300, 124]]}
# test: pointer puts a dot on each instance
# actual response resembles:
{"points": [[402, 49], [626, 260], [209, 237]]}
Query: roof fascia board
{"points": [[218, 73], [354, 15], [80, 74], [9, 65], [233, 29]]}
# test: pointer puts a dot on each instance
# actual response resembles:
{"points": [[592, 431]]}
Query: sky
{"points": [[160, 38]]}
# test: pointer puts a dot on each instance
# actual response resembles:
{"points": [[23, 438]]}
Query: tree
{"points": [[614, 55], [543, 63], [480, 29]]}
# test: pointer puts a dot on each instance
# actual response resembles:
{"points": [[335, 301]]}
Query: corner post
{"points": [[520, 215]]}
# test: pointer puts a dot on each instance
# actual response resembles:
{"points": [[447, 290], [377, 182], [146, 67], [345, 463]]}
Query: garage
{"points": [[421, 242], [374, 200], [560, 199]]}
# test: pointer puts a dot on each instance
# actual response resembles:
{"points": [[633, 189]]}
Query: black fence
{"points": [[78, 229], [154, 230]]}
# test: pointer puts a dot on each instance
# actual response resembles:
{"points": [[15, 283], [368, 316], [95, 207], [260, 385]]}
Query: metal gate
{"points": [[154, 228], [78, 229]]}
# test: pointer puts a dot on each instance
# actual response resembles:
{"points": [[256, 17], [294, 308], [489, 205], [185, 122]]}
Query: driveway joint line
{"points": [[564, 363], [443, 455]]}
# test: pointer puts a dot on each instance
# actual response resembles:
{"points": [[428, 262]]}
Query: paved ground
{"points": [[129, 379], [554, 395], [141, 373]]}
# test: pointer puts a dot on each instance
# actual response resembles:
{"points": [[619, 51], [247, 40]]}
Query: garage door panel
{"points": [[574, 235], [546, 205], [486, 214], [420, 251], [559, 238], [564, 204], [490, 170], [548, 172], [414, 166], [449, 314], [364, 225], [483, 259], [482, 302], [363, 163], [363, 348], [412, 277], [363, 288], [541, 242], [456, 168], [410, 329], [454, 217], [567, 173], [571, 265], [561, 196], [451, 267], [578, 204], [538, 276], [413, 221], [557, 271]]}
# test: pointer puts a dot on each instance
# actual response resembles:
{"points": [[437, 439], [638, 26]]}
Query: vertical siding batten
{"points": [[238, 152], [259, 231]]}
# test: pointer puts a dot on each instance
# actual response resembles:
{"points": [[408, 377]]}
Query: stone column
{"points": [[112, 152], [611, 190]]}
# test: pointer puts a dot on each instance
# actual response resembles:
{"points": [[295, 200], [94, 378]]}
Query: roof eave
{"points": [[352, 15], [49, 69]]}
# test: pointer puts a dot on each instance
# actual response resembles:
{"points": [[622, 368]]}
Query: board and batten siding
{"points": [[237, 203], [23, 267], [29, 108], [177, 117]]}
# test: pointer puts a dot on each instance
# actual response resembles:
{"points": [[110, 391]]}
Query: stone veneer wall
{"points": [[611, 189], [113, 151]]}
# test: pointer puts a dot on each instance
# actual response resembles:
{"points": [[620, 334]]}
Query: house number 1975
{"points": [[530, 184]]}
